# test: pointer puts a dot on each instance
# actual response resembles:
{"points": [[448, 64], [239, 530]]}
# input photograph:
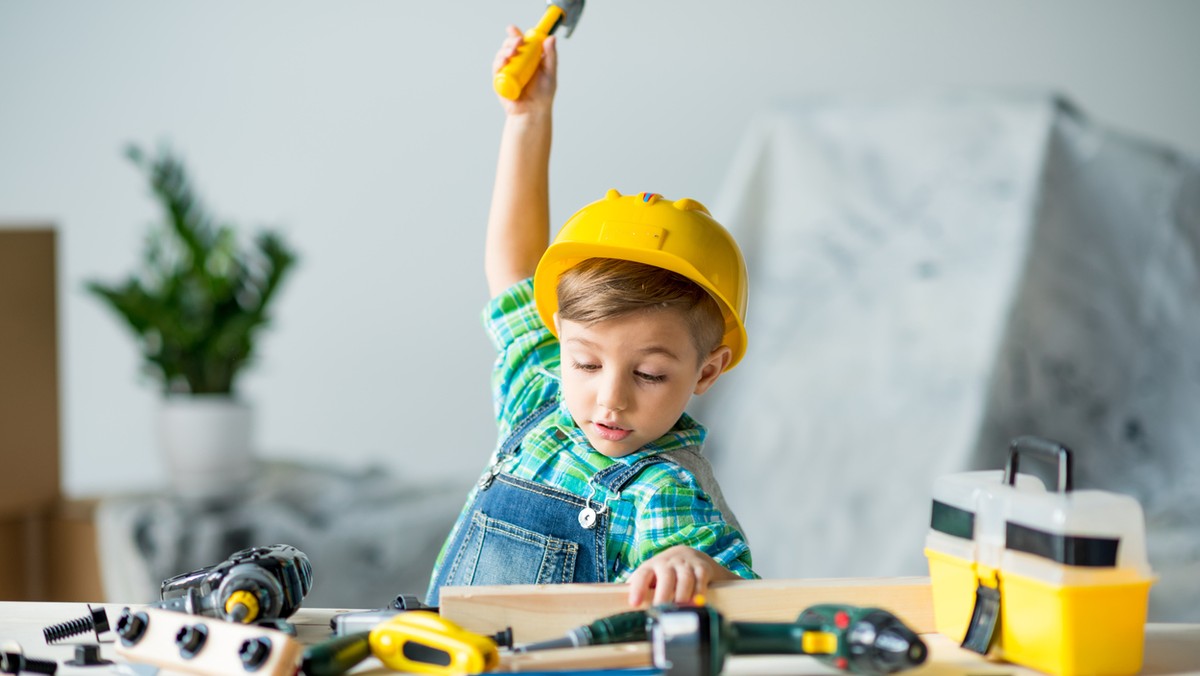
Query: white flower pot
{"points": [[207, 442]]}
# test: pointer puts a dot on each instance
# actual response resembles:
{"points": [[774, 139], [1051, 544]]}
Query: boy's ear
{"points": [[557, 325], [713, 367]]}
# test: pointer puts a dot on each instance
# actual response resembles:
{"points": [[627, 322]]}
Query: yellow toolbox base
{"points": [[1070, 630], [1066, 630]]}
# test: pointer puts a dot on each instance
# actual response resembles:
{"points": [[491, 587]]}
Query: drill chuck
{"points": [[879, 643], [869, 640], [242, 606]]}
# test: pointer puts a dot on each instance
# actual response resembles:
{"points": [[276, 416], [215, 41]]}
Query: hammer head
{"points": [[571, 11]]}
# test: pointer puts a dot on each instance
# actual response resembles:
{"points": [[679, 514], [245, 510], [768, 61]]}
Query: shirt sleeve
{"points": [[682, 514], [527, 355]]}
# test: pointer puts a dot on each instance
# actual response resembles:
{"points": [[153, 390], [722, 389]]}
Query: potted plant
{"points": [[196, 309]]}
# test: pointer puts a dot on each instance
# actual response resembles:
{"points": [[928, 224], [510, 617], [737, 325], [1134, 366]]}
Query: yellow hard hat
{"points": [[679, 236]]}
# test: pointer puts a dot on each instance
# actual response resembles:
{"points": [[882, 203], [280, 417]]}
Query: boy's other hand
{"points": [[676, 575], [538, 94]]}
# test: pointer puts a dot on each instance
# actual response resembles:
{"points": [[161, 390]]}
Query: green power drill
{"points": [[695, 640]]}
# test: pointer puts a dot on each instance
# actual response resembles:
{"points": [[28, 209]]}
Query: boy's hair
{"points": [[605, 288]]}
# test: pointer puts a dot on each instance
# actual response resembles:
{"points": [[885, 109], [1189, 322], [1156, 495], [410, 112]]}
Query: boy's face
{"points": [[627, 380]]}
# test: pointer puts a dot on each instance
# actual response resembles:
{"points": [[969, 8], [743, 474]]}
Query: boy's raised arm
{"points": [[518, 230]]}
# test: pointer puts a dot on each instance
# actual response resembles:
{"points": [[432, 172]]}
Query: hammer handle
{"points": [[512, 77]]}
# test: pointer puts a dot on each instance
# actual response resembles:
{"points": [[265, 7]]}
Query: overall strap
{"points": [[617, 476], [518, 433]]}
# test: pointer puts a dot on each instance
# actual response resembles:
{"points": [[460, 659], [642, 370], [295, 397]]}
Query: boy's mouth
{"points": [[611, 432]]}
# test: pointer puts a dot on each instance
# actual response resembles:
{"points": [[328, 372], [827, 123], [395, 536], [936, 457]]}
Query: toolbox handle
{"points": [[1051, 451]]}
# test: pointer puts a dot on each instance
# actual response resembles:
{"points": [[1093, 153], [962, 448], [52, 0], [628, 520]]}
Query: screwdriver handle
{"points": [[423, 642], [619, 628], [337, 655]]}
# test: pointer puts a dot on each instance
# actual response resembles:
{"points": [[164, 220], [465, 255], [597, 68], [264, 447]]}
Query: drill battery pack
{"points": [[1057, 580]]}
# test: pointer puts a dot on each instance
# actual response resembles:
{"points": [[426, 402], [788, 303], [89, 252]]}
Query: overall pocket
{"points": [[497, 552]]}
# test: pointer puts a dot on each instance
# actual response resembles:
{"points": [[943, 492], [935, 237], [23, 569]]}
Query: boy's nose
{"points": [[612, 395]]}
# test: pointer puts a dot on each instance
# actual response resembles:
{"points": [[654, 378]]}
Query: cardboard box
{"points": [[50, 544], [29, 435]]}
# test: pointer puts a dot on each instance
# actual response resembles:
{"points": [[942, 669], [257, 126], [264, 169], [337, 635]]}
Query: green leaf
{"points": [[200, 301]]}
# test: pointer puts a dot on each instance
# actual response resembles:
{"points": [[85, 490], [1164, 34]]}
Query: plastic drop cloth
{"points": [[932, 276]]}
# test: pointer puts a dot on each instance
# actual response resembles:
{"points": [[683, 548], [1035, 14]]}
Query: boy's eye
{"points": [[586, 367], [649, 377]]}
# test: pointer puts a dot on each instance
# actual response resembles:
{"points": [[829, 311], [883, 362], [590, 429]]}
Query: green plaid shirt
{"points": [[664, 506]]}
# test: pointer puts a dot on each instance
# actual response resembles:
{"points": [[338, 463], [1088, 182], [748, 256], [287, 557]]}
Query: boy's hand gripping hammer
{"points": [[514, 75]]}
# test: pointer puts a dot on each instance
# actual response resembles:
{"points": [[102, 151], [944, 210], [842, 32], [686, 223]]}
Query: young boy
{"points": [[638, 305]]}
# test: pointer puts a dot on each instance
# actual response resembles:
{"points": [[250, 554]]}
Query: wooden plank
{"points": [[540, 612]]}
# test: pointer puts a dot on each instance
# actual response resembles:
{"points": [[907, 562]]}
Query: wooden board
{"points": [[540, 612]]}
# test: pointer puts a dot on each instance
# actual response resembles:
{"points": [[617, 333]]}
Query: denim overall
{"points": [[520, 532]]}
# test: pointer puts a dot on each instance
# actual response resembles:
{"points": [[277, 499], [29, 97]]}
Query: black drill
{"points": [[255, 585]]}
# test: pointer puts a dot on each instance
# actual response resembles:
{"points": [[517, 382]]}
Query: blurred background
{"points": [[366, 132]]}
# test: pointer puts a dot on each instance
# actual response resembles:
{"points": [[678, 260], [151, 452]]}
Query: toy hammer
{"points": [[514, 75]]}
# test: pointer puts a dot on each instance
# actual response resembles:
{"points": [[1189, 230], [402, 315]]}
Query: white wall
{"points": [[367, 131]]}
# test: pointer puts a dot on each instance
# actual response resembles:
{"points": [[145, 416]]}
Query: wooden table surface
{"points": [[1170, 648]]}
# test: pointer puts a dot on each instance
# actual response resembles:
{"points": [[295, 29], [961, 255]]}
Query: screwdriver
{"points": [[342, 652], [337, 655], [619, 628], [423, 642]]}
